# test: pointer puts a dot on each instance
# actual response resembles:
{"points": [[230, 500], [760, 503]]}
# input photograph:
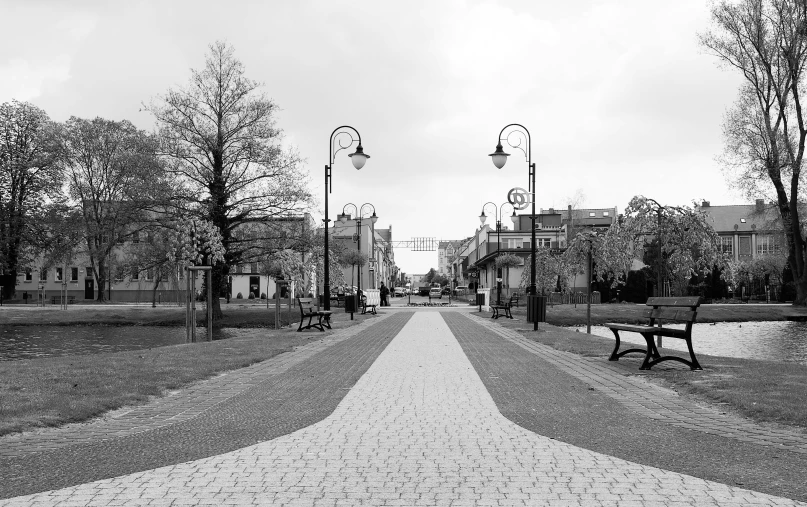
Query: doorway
{"points": [[89, 288], [255, 286]]}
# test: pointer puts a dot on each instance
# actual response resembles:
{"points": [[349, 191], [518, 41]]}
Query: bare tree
{"points": [[113, 176], [219, 135], [765, 131], [29, 180]]}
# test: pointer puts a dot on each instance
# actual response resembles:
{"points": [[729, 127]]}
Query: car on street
{"points": [[460, 289], [446, 291], [435, 292], [399, 292]]}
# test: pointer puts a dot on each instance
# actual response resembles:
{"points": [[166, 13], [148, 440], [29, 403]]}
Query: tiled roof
{"points": [[746, 217]]}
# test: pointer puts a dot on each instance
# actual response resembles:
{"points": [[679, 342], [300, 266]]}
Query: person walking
{"points": [[384, 293]]}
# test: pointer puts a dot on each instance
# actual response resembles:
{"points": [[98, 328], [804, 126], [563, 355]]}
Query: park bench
{"points": [[307, 309], [506, 307], [666, 309], [370, 299], [57, 300]]}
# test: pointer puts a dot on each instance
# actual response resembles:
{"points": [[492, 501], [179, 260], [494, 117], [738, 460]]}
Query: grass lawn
{"points": [[764, 391], [54, 391]]}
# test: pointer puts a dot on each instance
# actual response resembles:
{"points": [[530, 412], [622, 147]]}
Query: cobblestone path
{"points": [[418, 428]]}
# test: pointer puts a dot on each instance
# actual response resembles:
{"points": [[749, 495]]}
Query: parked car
{"points": [[460, 289], [435, 292], [399, 292], [446, 291]]}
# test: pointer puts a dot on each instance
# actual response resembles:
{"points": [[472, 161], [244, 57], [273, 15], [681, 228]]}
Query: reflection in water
{"points": [[29, 342], [773, 340]]}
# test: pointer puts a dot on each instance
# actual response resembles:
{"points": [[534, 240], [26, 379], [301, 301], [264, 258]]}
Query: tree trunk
{"points": [[100, 276]]}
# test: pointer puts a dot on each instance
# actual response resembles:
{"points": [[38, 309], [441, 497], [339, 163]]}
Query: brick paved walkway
{"points": [[184, 406], [418, 428], [654, 401]]}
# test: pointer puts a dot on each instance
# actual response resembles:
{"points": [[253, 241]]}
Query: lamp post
{"points": [[359, 158], [360, 214], [499, 158], [498, 216]]}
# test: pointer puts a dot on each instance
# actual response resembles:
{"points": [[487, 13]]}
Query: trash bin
{"points": [[351, 303], [536, 308]]}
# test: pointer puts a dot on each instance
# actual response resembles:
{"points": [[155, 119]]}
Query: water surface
{"points": [[30, 342]]}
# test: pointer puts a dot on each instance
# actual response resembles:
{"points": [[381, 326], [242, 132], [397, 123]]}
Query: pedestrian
{"points": [[384, 293]]}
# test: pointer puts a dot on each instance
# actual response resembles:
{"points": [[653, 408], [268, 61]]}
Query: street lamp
{"points": [[498, 216], [359, 158], [499, 158], [360, 214]]}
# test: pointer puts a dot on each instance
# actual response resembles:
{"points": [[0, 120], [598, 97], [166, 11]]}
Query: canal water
{"points": [[30, 342], [773, 340]]}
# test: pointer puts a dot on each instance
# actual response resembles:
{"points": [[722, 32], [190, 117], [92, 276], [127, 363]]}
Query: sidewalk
{"points": [[434, 408]]}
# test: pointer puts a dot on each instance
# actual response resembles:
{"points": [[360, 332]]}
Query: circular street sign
{"points": [[519, 198]]}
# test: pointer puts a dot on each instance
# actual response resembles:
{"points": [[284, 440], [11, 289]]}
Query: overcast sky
{"points": [[617, 95]]}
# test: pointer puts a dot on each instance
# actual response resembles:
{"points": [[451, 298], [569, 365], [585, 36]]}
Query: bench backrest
{"points": [[677, 309], [373, 296], [307, 305]]}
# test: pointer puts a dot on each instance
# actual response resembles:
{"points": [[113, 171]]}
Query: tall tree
{"points": [[765, 131], [219, 135], [29, 180], [114, 178]]}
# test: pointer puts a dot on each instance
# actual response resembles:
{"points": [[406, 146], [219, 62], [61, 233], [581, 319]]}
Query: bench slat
{"points": [[674, 301], [676, 314]]}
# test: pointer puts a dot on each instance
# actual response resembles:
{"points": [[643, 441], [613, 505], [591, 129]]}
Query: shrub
{"points": [[239, 296], [263, 295], [251, 295]]}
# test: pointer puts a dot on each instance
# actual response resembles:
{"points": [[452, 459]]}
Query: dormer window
{"points": [[592, 214], [605, 213], [742, 220]]}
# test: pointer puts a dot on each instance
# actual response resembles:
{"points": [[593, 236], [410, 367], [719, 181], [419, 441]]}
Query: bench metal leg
{"points": [[615, 355]]}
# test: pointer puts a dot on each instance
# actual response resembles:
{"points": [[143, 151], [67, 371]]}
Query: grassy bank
{"points": [[59, 390], [236, 315], [764, 391]]}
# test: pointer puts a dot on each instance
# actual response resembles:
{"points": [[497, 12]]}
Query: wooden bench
{"points": [[308, 309], [676, 309], [497, 308]]}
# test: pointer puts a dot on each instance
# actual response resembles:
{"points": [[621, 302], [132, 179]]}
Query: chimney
{"points": [[705, 204], [760, 204]]}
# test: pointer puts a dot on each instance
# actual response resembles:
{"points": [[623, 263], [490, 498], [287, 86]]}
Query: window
{"points": [[542, 242], [135, 274], [58, 276], [514, 242], [119, 239], [605, 214], [150, 274], [120, 272], [29, 274], [592, 214], [74, 274], [727, 244], [742, 220], [253, 268], [136, 237], [767, 244], [43, 275]]}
